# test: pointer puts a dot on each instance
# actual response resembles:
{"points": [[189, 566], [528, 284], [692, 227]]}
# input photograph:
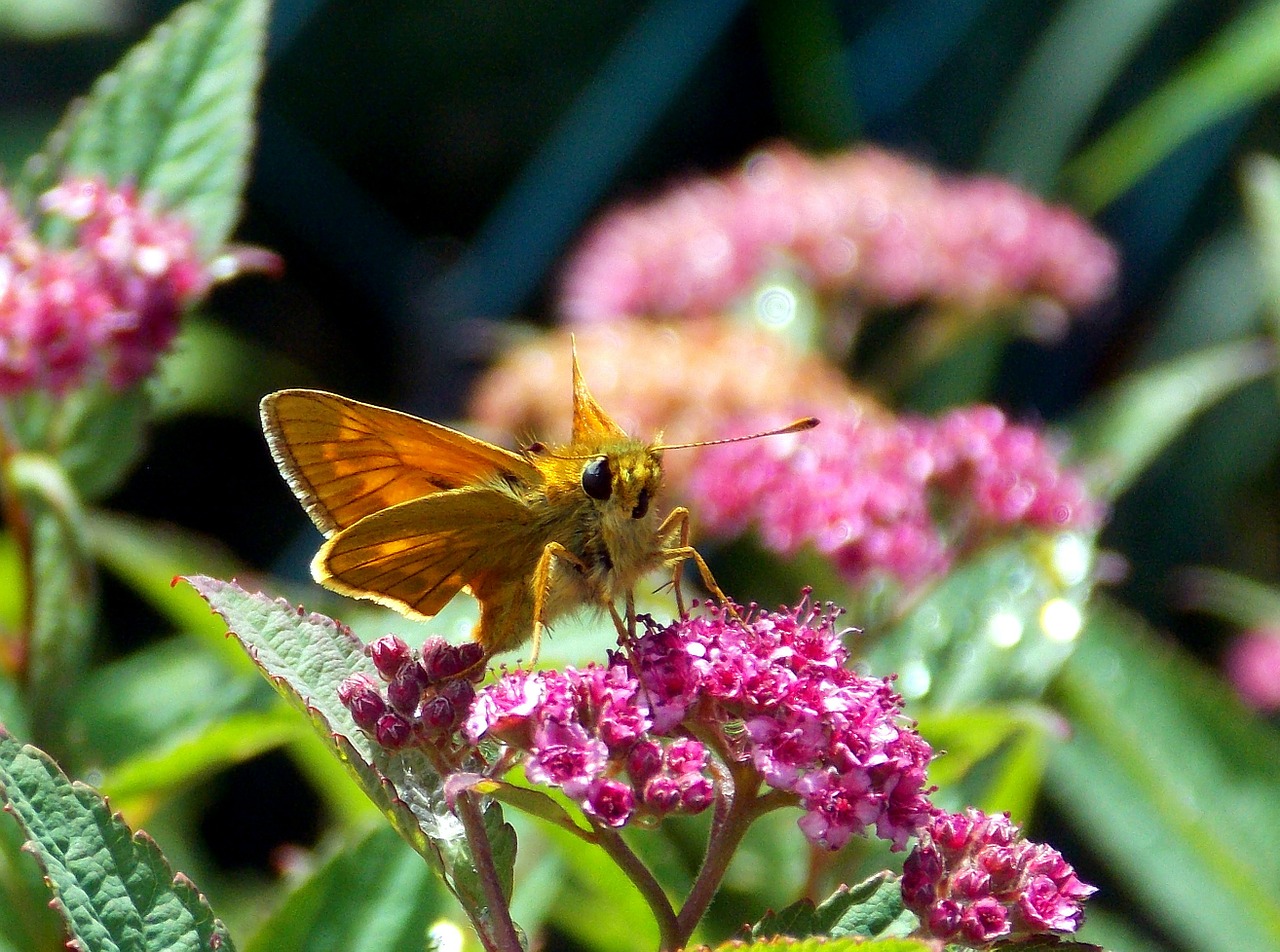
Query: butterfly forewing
{"points": [[346, 460], [416, 556]]}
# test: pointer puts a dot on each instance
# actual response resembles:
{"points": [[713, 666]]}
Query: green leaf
{"points": [[373, 895], [52, 19], [1127, 427], [97, 435], [995, 756], [147, 556], [113, 888], [1076, 59], [996, 628], [531, 801], [211, 369], [221, 744], [169, 690], [1172, 781], [175, 117], [1260, 179], [305, 657], [1234, 598], [823, 944], [27, 923], [64, 600], [871, 908], [1239, 66]]}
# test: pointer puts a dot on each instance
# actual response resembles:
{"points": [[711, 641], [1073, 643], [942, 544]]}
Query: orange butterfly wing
{"points": [[346, 460], [416, 556]]}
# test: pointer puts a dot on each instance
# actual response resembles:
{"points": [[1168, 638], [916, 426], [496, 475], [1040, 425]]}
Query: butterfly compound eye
{"points": [[597, 479]]}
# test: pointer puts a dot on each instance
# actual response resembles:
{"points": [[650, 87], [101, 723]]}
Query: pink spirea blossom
{"points": [[974, 877], [894, 495], [588, 732], [103, 307], [1252, 665], [774, 688], [811, 725], [881, 226]]}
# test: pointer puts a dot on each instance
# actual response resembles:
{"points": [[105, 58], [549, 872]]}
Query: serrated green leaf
{"points": [[871, 908], [822, 944], [112, 887], [27, 924], [1239, 66], [305, 657], [996, 628], [175, 117], [1119, 434], [373, 895], [1172, 782]]}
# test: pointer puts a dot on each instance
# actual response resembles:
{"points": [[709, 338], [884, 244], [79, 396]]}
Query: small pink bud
{"points": [[389, 654], [438, 714], [366, 705], [392, 731], [405, 689]]}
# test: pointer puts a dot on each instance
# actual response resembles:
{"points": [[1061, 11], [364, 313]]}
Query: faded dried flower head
{"points": [[690, 382]]}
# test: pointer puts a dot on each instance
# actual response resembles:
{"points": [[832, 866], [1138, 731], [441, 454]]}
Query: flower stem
{"points": [[497, 932], [737, 800], [640, 876]]}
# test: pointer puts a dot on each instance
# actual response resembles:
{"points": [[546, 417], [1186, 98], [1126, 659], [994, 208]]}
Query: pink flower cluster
{"points": [[775, 687], [588, 732], [105, 307], [1252, 665], [897, 496], [891, 230], [427, 693], [973, 877]]}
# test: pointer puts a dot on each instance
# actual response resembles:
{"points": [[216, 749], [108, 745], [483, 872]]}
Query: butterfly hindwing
{"points": [[414, 557]]}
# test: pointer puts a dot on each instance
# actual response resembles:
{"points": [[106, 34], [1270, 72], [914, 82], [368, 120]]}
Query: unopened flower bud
{"points": [[437, 714], [697, 795], [662, 794], [389, 654], [365, 703], [644, 760], [405, 690], [392, 731]]}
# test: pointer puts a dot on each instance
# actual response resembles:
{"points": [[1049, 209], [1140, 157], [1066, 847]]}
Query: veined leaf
{"points": [[175, 117], [114, 888], [1172, 783]]}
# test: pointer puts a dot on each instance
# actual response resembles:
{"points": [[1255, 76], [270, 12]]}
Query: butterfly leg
{"points": [[677, 524], [542, 589]]}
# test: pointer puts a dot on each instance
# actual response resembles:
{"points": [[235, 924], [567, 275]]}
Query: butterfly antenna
{"points": [[799, 426]]}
